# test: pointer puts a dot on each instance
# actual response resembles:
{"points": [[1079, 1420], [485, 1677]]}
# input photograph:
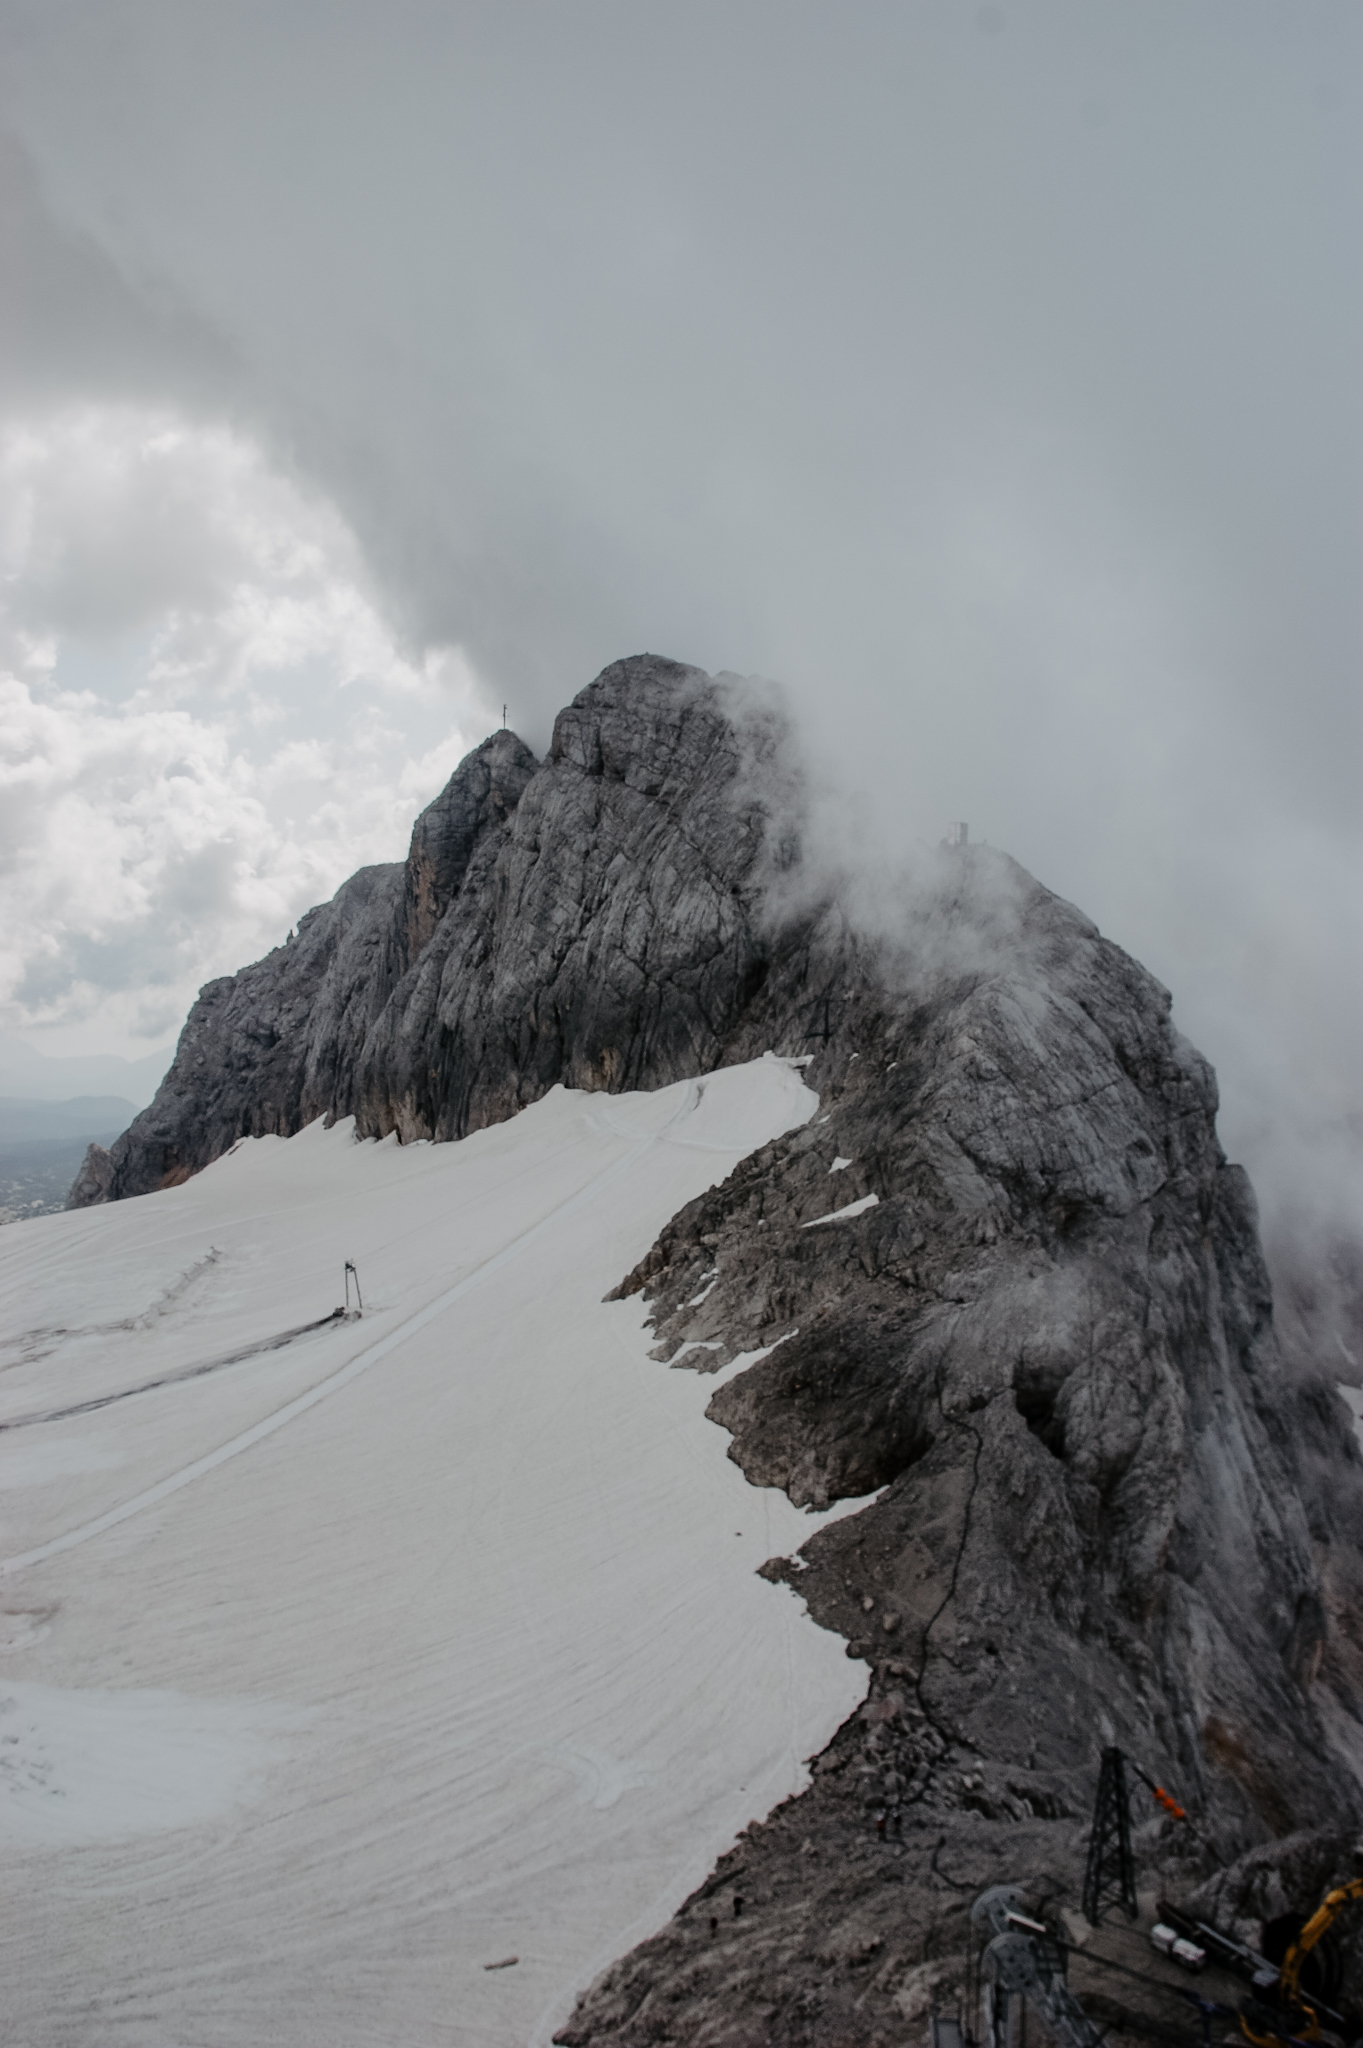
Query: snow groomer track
{"points": [[334, 1670]]}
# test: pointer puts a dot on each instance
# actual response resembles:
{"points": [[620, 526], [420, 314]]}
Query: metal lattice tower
{"points": [[1110, 1879]]}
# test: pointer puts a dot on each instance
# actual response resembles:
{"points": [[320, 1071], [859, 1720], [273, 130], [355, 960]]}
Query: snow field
{"points": [[331, 1675]]}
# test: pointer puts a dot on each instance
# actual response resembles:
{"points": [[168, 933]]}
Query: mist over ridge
{"points": [[971, 1272], [985, 374], [849, 1122]]}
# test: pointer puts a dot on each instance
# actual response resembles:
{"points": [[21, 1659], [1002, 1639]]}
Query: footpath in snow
{"points": [[333, 1672]]}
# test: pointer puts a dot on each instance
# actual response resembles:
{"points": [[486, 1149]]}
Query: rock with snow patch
{"points": [[1034, 1322]]}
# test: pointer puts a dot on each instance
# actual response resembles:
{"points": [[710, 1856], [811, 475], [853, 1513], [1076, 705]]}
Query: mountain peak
{"points": [[1027, 1327]]}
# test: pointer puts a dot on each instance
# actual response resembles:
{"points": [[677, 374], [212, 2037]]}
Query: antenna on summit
{"points": [[503, 718]]}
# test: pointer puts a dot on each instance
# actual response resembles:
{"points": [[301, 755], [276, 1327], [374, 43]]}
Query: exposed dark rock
{"points": [[270, 1049], [1042, 1338], [1050, 1344], [602, 920], [92, 1183], [480, 797]]}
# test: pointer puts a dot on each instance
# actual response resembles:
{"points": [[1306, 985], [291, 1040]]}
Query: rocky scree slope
{"points": [[1010, 1287], [1103, 1510]]}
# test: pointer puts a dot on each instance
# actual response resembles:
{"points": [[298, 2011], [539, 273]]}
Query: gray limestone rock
{"points": [[272, 1048], [602, 919], [92, 1183], [1008, 1290], [1103, 1510]]}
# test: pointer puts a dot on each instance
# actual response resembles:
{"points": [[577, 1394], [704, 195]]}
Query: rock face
{"points": [[1010, 1286], [601, 919], [94, 1180], [1043, 1332]]}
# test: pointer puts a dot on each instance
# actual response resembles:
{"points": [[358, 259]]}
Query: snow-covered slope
{"points": [[335, 1672]]}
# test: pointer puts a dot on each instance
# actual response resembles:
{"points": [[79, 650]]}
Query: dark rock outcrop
{"points": [[1104, 1513], [94, 1180], [1041, 1334], [601, 919]]}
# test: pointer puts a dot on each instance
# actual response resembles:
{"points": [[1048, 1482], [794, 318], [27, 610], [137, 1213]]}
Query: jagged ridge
{"points": [[1107, 1512], [598, 919]]}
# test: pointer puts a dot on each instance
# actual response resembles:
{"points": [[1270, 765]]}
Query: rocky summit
{"points": [[1007, 1292]]}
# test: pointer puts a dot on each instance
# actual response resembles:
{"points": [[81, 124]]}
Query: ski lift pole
{"points": [[1110, 1875], [350, 1268]]}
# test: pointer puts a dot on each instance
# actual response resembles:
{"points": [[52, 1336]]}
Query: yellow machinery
{"points": [[1298, 2012]]}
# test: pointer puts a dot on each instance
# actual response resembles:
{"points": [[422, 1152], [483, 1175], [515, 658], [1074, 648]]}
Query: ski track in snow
{"points": [[332, 1384], [322, 1690]]}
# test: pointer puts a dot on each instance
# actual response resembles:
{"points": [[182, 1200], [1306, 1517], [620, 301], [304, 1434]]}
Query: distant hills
{"points": [[42, 1145], [32, 1076], [82, 1117]]}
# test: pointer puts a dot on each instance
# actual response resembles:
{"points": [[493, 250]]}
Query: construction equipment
{"points": [[1262, 2022], [1326, 1913], [1169, 1942], [1223, 1951]]}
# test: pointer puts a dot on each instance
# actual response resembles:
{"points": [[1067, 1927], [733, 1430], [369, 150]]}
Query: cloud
{"points": [[996, 391], [265, 734], [73, 324]]}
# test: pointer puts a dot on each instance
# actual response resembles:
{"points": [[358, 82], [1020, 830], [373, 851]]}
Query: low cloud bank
{"points": [[991, 382], [206, 722]]}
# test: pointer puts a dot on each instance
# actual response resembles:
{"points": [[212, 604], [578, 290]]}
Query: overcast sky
{"points": [[987, 374]]}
